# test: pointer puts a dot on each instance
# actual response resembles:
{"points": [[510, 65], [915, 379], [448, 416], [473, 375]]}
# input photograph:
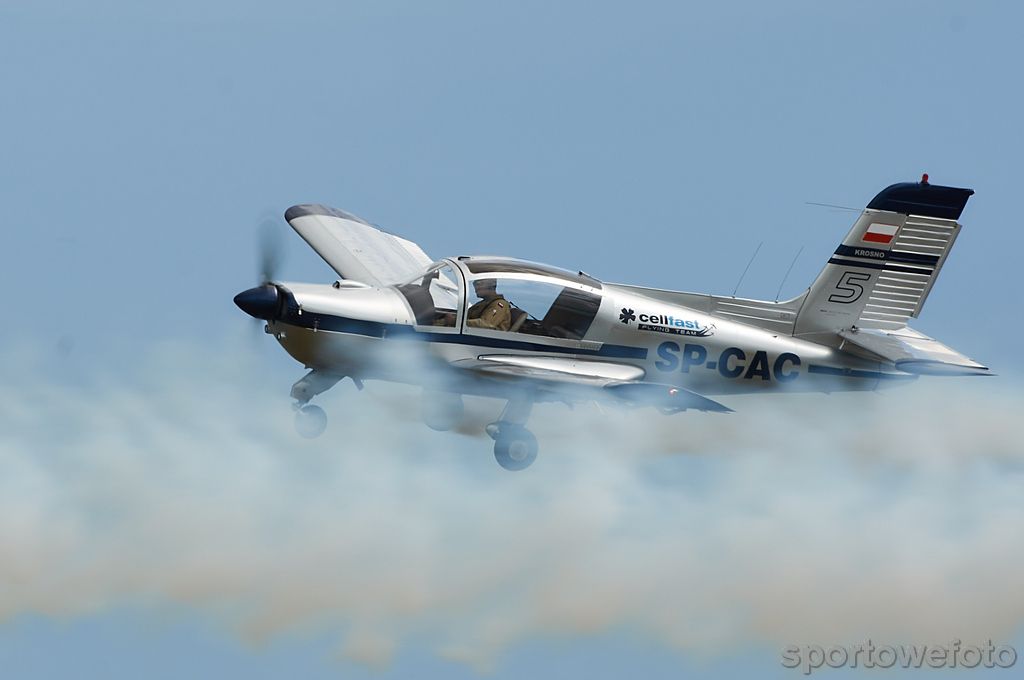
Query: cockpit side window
{"points": [[433, 297], [571, 314], [531, 307]]}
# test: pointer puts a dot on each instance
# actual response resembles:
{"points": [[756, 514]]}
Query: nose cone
{"points": [[260, 302]]}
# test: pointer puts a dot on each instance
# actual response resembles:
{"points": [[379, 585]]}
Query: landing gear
{"points": [[310, 421], [312, 384], [515, 447]]}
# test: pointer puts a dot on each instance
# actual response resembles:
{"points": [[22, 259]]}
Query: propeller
{"points": [[263, 301], [271, 250]]}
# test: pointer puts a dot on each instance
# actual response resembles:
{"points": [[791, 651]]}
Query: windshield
{"points": [[433, 296]]}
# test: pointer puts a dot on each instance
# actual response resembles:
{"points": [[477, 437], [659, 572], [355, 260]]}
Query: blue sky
{"points": [[650, 143]]}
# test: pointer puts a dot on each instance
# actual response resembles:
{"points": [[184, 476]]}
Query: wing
{"points": [[557, 369], [913, 352], [623, 382], [355, 248]]}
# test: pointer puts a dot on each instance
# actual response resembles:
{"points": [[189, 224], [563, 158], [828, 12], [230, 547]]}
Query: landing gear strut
{"points": [[515, 447], [311, 420]]}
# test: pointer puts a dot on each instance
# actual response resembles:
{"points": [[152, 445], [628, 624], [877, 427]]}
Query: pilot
{"points": [[492, 311]]}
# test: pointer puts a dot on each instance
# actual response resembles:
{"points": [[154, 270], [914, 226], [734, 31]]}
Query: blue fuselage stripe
{"points": [[374, 329]]}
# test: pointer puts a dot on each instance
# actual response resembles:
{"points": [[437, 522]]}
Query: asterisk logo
{"points": [[626, 315]]}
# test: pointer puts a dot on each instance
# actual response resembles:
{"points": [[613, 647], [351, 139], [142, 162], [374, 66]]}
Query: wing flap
{"points": [[913, 352], [354, 248]]}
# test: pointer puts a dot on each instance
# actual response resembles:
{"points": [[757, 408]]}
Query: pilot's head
{"points": [[486, 288]]}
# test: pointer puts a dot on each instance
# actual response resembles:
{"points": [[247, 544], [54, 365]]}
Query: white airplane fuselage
{"points": [[370, 333]]}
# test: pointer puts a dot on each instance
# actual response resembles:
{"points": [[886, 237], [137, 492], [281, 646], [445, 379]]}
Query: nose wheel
{"points": [[310, 421]]}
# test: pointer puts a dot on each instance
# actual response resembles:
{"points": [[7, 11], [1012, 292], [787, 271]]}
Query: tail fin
{"points": [[881, 274]]}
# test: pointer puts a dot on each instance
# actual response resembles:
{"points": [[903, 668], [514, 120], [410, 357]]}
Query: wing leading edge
{"points": [[622, 382]]}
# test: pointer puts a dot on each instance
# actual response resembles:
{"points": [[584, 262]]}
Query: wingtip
{"points": [[304, 209], [296, 211]]}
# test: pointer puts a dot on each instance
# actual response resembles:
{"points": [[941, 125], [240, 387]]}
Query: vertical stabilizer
{"points": [[882, 272]]}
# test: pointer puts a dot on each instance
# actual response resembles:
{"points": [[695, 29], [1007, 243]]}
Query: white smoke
{"points": [[796, 520]]}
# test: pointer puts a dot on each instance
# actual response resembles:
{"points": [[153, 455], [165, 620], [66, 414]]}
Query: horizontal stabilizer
{"points": [[913, 352]]}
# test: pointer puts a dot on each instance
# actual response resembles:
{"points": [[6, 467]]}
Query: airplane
{"points": [[528, 333]]}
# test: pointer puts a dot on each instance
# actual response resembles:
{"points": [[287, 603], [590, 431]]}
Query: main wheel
{"points": [[310, 421], [515, 448]]}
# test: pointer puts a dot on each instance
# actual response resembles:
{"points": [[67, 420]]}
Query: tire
{"points": [[516, 449], [310, 421]]}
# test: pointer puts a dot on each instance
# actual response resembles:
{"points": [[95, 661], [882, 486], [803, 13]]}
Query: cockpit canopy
{"points": [[509, 265], [505, 295]]}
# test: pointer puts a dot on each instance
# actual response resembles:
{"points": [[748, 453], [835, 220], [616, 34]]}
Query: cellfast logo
{"points": [[665, 323], [627, 315]]}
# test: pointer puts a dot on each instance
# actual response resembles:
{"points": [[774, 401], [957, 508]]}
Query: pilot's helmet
{"points": [[485, 284]]}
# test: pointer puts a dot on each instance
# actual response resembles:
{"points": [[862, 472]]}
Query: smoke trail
{"points": [[798, 519]]}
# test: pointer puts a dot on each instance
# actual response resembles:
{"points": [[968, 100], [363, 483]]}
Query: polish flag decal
{"points": [[880, 233]]}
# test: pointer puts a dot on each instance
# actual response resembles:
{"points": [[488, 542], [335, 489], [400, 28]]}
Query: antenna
{"points": [[779, 291], [832, 205], [756, 250]]}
